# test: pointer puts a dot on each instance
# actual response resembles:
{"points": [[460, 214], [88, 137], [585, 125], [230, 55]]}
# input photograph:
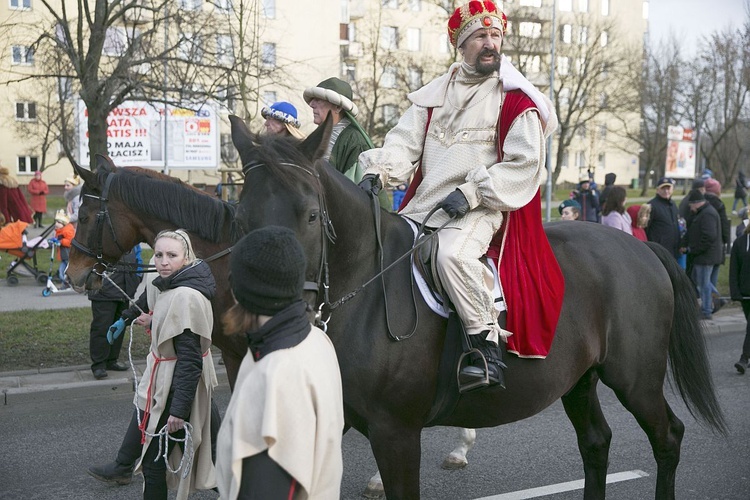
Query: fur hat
{"points": [[283, 111], [62, 217], [698, 183], [712, 186], [268, 270], [335, 91], [73, 181], [472, 16]]}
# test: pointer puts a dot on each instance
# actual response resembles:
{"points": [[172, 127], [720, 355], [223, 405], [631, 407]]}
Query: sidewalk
{"points": [[78, 381]]}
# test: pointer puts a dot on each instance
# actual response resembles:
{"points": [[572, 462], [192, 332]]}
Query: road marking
{"points": [[563, 487]]}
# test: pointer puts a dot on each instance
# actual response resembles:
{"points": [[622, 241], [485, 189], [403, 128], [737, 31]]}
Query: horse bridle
{"points": [[102, 219], [327, 234]]}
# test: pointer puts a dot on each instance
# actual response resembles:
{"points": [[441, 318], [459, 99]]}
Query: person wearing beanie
{"points": [[281, 434], [13, 203], [177, 384], [713, 198], [448, 139], [38, 190], [72, 194], [703, 243], [281, 119], [569, 210], [333, 97]]}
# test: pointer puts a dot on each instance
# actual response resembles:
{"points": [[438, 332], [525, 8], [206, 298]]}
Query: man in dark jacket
{"points": [[588, 199], [703, 241], [107, 304], [664, 226]]}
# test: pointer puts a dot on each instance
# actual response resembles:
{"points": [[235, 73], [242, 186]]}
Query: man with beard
{"points": [[477, 134]]}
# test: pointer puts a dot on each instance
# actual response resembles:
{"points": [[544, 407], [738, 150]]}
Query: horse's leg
{"points": [[457, 458], [374, 487], [594, 435], [397, 451], [664, 431]]}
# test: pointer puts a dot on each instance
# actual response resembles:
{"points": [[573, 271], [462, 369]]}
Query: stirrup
{"points": [[466, 384]]}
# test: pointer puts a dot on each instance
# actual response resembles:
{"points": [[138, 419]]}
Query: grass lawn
{"points": [[36, 339], [52, 338]]}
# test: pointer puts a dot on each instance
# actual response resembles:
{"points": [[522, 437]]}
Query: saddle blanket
{"points": [[434, 299]]}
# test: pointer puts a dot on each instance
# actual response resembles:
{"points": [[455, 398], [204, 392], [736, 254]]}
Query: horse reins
{"points": [[328, 233]]}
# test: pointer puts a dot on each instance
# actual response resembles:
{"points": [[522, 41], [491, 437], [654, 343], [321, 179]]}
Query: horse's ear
{"points": [[104, 164], [242, 138], [316, 143], [87, 175]]}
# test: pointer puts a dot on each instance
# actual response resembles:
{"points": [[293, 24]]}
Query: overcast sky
{"points": [[690, 19]]}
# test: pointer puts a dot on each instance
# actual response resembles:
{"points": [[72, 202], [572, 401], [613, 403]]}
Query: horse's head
{"points": [[282, 187], [104, 232]]}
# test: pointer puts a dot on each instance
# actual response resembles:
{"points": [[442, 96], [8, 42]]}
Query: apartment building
{"points": [[401, 44], [287, 46], [385, 48]]}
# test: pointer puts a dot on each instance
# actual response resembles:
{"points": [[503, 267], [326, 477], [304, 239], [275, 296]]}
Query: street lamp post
{"points": [[548, 196]]}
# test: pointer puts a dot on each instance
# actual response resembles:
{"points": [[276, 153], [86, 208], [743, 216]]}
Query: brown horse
{"points": [[124, 206], [628, 309]]}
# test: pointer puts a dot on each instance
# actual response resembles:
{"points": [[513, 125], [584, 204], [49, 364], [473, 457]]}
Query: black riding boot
{"points": [[473, 375]]}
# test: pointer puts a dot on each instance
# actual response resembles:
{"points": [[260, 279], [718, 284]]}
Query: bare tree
{"points": [[592, 59], [717, 101], [658, 79], [179, 53]]}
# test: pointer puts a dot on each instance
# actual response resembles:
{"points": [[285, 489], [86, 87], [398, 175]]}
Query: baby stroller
{"points": [[13, 239]]}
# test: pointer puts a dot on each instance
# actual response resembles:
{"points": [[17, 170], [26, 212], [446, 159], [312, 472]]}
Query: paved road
{"points": [[48, 442]]}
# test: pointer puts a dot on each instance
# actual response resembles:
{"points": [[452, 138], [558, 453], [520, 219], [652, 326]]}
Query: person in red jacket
{"points": [[64, 234], [639, 217], [38, 190]]}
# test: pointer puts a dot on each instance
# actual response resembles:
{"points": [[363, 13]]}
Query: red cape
{"points": [[532, 282], [13, 205]]}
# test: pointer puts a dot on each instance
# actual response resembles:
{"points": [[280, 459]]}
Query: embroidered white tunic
{"points": [[460, 151]]}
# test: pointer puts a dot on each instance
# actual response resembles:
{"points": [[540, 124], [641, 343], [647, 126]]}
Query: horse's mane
{"points": [[171, 199], [273, 151]]}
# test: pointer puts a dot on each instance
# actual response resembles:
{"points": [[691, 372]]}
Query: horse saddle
{"points": [[425, 259]]}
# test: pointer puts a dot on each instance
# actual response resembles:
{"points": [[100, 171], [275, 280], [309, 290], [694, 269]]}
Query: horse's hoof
{"points": [[454, 462], [374, 490]]}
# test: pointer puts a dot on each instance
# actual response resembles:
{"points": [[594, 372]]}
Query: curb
{"points": [[58, 383]]}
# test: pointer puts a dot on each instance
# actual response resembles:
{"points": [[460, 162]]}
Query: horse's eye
{"points": [[83, 219], [313, 217]]}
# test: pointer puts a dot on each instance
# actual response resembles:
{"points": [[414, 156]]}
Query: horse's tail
{"points": [[687, 348]]}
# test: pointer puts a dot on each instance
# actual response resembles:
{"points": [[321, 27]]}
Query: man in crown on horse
{"points": [[474, 138]]}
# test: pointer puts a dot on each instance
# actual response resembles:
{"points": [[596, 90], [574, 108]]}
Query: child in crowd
{"points": [[64, 234]]}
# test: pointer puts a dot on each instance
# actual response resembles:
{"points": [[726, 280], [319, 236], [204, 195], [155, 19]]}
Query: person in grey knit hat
{"points": [[281, 436]]}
